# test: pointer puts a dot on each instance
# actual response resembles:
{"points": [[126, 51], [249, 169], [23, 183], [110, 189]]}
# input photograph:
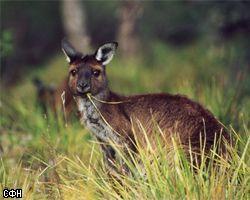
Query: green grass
{"points": [[50, 161]]}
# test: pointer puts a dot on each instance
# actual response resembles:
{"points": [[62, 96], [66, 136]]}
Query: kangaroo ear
{"points": [[69, 51], [106, 52]]}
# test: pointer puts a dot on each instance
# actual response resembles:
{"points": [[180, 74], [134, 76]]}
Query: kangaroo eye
{"points": [[96, 73], [73, 72]]}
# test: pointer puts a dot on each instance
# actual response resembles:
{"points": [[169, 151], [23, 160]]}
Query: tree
{"points": [[74, 23], [129, 13]]}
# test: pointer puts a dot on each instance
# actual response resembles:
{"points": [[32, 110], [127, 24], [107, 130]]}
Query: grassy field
{"points": [[51, 161]]}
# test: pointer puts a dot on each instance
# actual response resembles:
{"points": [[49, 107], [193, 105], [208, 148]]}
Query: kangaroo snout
{"points": [[83, 81], [83, 87]]}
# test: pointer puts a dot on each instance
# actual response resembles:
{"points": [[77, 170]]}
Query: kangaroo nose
{"points": [[82, 85]]}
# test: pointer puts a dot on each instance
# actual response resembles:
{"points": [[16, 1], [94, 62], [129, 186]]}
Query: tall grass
{"points": [[69, 172], [51, 161]]}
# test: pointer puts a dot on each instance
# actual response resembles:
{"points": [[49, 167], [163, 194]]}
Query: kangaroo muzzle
{"points": [[82, 87]]}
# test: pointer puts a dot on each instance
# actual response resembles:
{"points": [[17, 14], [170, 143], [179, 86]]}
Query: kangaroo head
{"points": [[87, 72]]}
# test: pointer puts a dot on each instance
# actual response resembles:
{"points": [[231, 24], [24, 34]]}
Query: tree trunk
{"points": [[127, 38], [74, 23]]}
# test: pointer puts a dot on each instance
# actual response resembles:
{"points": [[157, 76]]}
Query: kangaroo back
{"points": [[173, 115]]}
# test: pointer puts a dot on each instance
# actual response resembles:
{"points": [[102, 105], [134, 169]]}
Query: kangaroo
{"points": [[114, 117], [50, 99]]}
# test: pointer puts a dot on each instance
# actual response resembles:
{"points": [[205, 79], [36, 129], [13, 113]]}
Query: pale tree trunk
{"points": [[74, 23], [127, 37]]}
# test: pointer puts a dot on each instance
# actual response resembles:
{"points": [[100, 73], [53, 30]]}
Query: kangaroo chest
{"points": [[91, 117]]}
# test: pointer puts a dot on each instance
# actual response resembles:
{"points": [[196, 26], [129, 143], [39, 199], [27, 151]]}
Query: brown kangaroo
{"points": [[49, 98], [114, 117]]}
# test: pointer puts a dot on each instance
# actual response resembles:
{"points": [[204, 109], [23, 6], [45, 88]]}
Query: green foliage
{"points": [[99, 19], [37, 25], [35, 29], [6, 43]]}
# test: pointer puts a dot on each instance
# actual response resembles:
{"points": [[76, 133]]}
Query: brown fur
{"points": [[174, 114], [114, 117], [49, 98], [69, 101]]}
